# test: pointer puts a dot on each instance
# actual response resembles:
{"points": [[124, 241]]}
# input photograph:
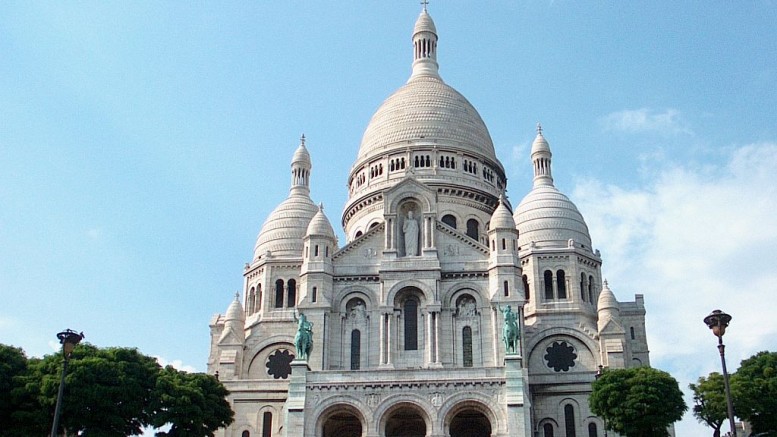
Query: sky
{"points": [[143, 144]]}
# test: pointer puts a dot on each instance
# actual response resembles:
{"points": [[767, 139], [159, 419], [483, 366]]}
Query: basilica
{"points": [[445, 312]]}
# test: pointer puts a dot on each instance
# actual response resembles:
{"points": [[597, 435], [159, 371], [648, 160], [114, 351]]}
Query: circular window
{"points": [[279, 364], [560, 356]]}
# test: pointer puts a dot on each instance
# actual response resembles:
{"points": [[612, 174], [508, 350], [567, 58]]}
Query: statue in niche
{"points": [[357, 312], [410, 230], [466, 307]]}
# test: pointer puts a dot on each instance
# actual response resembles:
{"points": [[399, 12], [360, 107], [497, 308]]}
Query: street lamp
{"points": [[598, 375], [717, 322], [68, 339]]}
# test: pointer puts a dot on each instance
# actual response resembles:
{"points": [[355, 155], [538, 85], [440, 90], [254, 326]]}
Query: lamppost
{"points": [[717, 322], [598, 375], [68, 339]]}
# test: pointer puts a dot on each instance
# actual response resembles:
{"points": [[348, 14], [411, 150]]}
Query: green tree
{"points": [[754, 389], [637, 402], [13, 365], [193, 404], [709, 396]]}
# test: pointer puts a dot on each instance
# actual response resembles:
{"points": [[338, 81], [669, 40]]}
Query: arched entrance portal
{"points": [[470, 423], [341, 422], [405, 421]]}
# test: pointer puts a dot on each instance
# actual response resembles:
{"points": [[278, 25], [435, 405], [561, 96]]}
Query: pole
{"points": [[729, 402], [58, 409]]}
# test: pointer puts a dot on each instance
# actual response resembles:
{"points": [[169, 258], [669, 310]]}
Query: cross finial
{"points": [[237, 295], [539, 128], [425, 3], [302, 139]]}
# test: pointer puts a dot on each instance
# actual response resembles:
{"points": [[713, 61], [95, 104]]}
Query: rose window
{"points": [[560, 356], [279, 364]]}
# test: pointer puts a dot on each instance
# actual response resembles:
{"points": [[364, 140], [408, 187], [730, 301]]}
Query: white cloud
{"points": [[691, 241], [645, 120], [178, 364]]}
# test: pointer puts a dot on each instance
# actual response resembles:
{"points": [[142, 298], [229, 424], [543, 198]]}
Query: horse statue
{"points": [[303, 340], [511, 333]]}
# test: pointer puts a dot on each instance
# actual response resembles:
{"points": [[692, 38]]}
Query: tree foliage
{"points": [[108, 392], [754, 389], [637, 402], [709, 396]]}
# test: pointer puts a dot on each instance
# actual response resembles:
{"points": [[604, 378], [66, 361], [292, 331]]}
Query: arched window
{"points": [[449, 220], [582, 286], [315, 250], [279, 293], [631, 329], [245, 434], [356, 349], [506, 286], [504, 244], [259, 297], [411, 324], [561, 283], [267, 424], [591, 289], [314, 294], [547, 429], [292, 300], [473, 229], [526, 293], [251, 300], [466, 346], [548, 277], [569, 420], [592, 431], [358, 234]]}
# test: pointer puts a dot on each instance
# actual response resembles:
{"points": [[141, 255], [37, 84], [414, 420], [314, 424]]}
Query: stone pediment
{"points": [[365, 250], [612, 327], [453, 246]]}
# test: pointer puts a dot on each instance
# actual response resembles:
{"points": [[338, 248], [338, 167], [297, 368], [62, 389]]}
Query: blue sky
{"points": [[142, 145]]}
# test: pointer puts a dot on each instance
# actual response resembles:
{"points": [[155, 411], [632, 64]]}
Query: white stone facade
{"points": [[407, 315]]}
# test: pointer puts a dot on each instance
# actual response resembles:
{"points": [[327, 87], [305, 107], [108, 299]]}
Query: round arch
{"points": [[406, 417], [463, 405], [427, 293], [449, 296], [583, 360], [263, 351], [343, 296], [340, 416]]}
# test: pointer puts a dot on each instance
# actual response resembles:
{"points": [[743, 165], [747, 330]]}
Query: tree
{"points": [[709, 395], [193, 404], [13, 364], [754, 389], [637, 402], [108, 392]]}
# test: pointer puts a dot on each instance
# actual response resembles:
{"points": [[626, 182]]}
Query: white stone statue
{"points": [[410, 229]]}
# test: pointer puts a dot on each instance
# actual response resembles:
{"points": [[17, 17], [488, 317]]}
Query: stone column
{"points": [[295, 404]]}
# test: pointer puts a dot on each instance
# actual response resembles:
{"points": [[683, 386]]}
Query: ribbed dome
{"points": [[549, 219], [607, 300], [284, 229], [235, 311], [502, 218], [319, 225], [301, 155], [426, 109]]}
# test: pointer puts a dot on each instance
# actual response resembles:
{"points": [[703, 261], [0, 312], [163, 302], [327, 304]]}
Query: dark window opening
{"points": [[633, 337], [473, 229], [449, 220], [592, 431], [547, 430], [466, 346], [548, 276], [356, 348], [292, 294], [561, 283], [569, 420], [506, 286], [411, 324], [526, 288], [279, 293], [267, 424]]}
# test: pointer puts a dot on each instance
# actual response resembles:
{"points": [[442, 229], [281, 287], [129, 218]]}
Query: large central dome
{"points": [[426, 108], [428, 131]]}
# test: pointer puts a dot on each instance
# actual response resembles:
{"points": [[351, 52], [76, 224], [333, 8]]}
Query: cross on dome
{"points": [[302, 140], [539, 128], [425, 3]]}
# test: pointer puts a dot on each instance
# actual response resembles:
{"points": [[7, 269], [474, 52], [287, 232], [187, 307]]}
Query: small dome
{"points": [[319, 225], [424, 23], [549, 219], [607, 299], [301, 155], [284, 229], [540, 144], [502, 217], [235, 311]]}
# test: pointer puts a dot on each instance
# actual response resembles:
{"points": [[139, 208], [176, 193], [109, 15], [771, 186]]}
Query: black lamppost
{"points": [[598, 375], [717, 322], [68, 339]]}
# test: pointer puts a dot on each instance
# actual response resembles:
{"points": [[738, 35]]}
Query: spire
{"points": [[300, 168], [424, 45], [540, 156]]}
